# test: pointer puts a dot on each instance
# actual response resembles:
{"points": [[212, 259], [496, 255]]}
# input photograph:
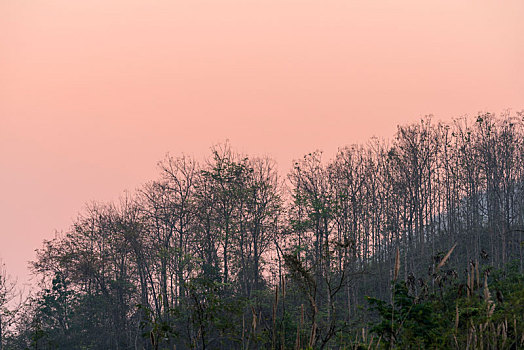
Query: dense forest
{"points": [[413, 242]]}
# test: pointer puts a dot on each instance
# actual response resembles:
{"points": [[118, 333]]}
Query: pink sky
{"points": [[94, 93]]}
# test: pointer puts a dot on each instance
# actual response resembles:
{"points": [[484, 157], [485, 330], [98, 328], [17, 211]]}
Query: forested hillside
{"points": [[416, 241]]}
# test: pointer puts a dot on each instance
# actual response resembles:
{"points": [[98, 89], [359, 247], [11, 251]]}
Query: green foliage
{"points": [[406, 321], [454, 319], [158, 330]]}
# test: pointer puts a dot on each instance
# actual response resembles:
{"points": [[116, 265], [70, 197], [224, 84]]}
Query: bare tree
{"points": [[8, 308]]}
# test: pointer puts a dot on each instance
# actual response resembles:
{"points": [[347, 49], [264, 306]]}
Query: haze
{"points": [[94, 93]]}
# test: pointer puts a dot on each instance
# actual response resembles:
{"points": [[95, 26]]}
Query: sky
{"points": [[94, 93]]}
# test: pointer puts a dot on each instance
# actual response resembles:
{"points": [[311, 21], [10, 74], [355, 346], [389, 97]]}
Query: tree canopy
{"points": [[342, 253]]}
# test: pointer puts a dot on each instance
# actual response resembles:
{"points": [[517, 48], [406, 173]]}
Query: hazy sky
{"points": [[93, 93]]}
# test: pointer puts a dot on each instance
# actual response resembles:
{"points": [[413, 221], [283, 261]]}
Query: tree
{"points": [[8, 308], [227, 254]]}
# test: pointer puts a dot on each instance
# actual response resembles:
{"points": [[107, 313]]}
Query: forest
{"points": [[414, 242]]}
